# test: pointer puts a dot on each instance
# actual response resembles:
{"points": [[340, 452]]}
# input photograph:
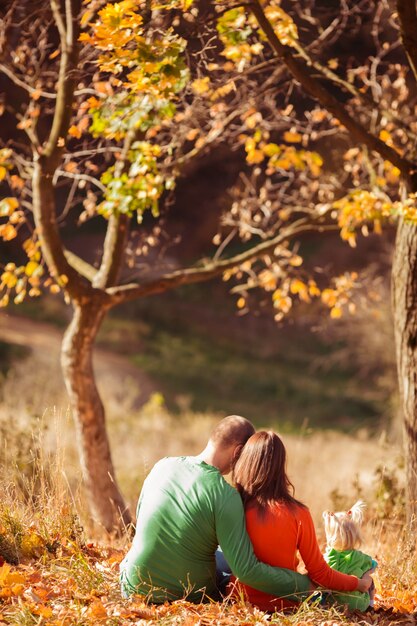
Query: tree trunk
{"points": [[106, 501], [404, 291]]}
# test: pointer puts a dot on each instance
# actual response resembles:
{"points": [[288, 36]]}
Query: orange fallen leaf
{"points": [[97, 610]]}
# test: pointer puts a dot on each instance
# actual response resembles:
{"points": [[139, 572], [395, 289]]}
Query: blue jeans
{"points": [[223, 571]]}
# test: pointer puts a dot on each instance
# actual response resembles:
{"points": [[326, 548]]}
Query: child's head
{"points": [[342, 528]]}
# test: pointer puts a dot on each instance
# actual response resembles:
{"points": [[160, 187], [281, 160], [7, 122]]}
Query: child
{"points": [[343, 537]]}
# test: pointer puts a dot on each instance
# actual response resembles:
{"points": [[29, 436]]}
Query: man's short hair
{"points": [[233, 429]]}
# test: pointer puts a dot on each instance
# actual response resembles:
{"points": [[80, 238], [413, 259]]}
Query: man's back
{"points": [[176, 538], [185, 510]]}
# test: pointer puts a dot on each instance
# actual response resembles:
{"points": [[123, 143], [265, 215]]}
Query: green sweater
{"points": [[185, 510], [352, 562]]}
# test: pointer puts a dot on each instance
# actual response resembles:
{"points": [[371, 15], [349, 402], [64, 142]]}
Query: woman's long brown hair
{"points": [[260, 472]]}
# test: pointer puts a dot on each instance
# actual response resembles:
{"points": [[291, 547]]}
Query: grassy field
{"points": [[202, 357], [168, 370], [57, 570]]}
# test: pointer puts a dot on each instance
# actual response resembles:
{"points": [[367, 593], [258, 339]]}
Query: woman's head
{"points": [[260, 472]]}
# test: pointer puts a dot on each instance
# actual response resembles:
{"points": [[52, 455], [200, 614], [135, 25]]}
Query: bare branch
{"points": [[66, 82], [56, 10], [20, 83], [210, 270], [78, 176], [81, 266]]}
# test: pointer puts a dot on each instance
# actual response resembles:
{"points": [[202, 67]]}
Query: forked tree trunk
{"points": [[404, 290], [106, 501]]}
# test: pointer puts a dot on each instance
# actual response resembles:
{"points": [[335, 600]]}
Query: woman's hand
{"points": [[364, 583]]}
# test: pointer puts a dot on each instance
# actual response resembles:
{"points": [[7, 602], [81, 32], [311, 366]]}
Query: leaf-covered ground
{"points": [[68, 583]]}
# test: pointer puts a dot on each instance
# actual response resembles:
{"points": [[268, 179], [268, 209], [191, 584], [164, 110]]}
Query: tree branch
{"points": [[46, 161], [407, 14], [81, 266], [77, 176], [117, 229], [210, 270], [55, 145], [20, 83], [314, 88]]}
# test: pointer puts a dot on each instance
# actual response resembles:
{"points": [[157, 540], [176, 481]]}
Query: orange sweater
{"points": [[276, 537]]}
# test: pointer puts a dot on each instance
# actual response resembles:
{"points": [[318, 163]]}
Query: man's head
{"points": [[228, 439]]}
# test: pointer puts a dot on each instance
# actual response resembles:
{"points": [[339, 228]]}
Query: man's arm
{"points": [[238, 551]]}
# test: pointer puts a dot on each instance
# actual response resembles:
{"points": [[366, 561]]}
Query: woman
{"points": [[277, 523]]}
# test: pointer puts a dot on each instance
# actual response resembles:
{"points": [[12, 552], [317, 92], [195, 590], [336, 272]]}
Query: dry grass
{"points": [[328, 469], [59, 579]]}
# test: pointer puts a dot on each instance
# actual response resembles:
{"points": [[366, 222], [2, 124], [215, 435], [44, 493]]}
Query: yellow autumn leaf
{"points": [[192, 134], [3, 172], [283, 163], [8, 232], [241, 303], [16, 182], [268, 280], [8, 280], [385, 136], [24, 124], [255, 156], [10, 577], [272, 149], [86, 17], [20, 297], [32, 545], [97, 610], [253, 120], [297, 286], [336, 312], [43, 611], [7, 206], [201, 86], [74, 131], [318, 115], [313, 289], [295, 261], [17, 589], [377, 227], [31, 267], [292, 136], [328, 296], [281, 302]]}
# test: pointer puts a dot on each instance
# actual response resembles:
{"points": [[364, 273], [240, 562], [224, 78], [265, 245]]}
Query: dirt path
{"points": [[45, 339]]}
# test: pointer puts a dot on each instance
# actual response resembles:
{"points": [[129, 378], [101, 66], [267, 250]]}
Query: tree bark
{"points": [[404, 297], [90, 307], [106, 501]]}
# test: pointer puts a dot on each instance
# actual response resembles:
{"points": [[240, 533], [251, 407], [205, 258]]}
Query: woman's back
{"points": [[274, 535], [277, 523]]}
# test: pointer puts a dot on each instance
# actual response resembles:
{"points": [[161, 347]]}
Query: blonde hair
{"points": [[343, 528]]}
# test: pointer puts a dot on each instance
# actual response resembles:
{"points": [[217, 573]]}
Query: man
{"points": [[185, 510]]}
